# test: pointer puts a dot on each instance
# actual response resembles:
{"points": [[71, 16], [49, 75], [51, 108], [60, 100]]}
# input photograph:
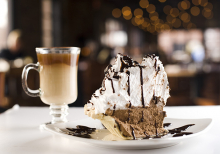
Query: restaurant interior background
{"points": [[185, 34]]}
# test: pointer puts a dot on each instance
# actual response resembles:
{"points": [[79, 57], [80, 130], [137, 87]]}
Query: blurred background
{"points": [[184, 33]]}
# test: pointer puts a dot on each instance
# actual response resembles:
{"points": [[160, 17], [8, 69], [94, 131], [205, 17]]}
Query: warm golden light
{"points": [[153, 16], [138, 12], [133, 21], [170, 19], [116, 13], [203, 2], [177, 23], [144, 3], [208, 15], [167, 9], [196, 2], [162, 1], [185, 4], [195, 11], [185, 25], [126, 8], [147, 20], [174, 12], [145, 24], [128, 17], [169, 24], [179, 6], [139, 21], [151, 8], [166, 27], [152, 29], [148, 28], [208, 7], [127, 13], [191, 25], [185, 17]]}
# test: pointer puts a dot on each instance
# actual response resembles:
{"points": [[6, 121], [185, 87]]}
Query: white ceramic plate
{"points": [[105, 139]]}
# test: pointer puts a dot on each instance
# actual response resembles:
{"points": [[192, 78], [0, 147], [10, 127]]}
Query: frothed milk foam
{"points": [[58, 78]]}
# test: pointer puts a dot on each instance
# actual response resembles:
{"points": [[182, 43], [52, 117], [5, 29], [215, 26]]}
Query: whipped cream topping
{"points": [[128, 83]]}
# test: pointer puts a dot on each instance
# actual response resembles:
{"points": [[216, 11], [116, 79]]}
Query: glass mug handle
{"points": [[27, 68]]}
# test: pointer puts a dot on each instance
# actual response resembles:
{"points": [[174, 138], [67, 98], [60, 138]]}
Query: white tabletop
{"points": [[20, 133]]}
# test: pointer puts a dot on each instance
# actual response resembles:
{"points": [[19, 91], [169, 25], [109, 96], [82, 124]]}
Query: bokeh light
{"points": [[138, 12], [138, 20], [208, 15], [152, 29], [174, 12], [191, 25], [126, 8], [179, 6], [144, 3], [184, 16], [126, 11], [185, 4], [177, 23], [208, 7], [203, 2], [195, 11], [128, 17], [162, 1], [196, 2], [133, 21], [116, 13], [151, 8], [167, 9], [153, 16], [147, 20], [170, 19], [145, 24]]}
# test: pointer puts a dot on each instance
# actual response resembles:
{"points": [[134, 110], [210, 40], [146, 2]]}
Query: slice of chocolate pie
{"points": [[131, 99]]}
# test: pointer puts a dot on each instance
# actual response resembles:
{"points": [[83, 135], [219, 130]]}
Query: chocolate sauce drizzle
{"points": [[147, 136], [128, 115], [128, 73], [114, 109], [112, 85], [155, 98], [180, 129], [155, 64], [157, 135], [107, 68], [123, 64], [129, 105], [132, 132], [141, 79], [166, 125], [80, 131], [142, 118], [158, 69], [176, 131], [182, 134], [116, 76]]}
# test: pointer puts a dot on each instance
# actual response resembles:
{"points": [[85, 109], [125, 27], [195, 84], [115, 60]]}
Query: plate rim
{"points": [[125, 142]]}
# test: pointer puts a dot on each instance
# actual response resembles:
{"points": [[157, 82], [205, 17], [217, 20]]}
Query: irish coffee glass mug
{"points": [[58, 68]]}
